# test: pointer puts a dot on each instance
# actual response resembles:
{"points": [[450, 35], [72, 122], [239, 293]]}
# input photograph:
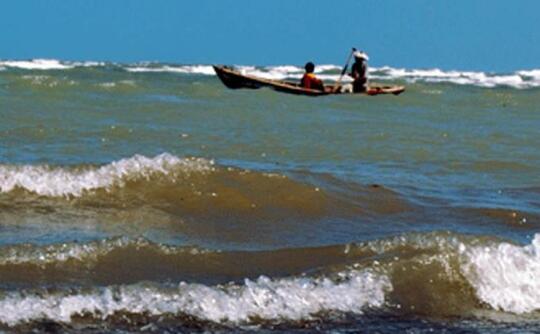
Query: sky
{"points": [[487, 35]]}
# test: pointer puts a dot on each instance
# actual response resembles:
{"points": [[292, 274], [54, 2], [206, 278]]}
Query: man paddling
{"points": [[309, 80], [359, 72]]}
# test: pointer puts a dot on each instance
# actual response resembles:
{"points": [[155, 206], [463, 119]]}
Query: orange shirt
{"points": [[310, 81]]}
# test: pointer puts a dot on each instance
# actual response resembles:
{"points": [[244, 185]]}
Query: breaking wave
{"points": [[167, 187], [263, 298], [36, 64], [47, 64], [518, 79], [435, 273], [187, 69], [505, 276], [57, 181], [523, 79]]}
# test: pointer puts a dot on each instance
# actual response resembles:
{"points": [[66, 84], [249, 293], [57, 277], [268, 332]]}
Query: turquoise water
{"points": [[143, 180]]}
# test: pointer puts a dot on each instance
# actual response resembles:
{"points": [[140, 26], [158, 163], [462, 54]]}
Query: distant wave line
{"points": [[522, 79]]}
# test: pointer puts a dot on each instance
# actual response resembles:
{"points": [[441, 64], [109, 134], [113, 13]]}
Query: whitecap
{"points": [[293, 298], [57, 181], [505, 276], [36, 64], [519, 79], [57, 253], [185, 69], [114, 84]]}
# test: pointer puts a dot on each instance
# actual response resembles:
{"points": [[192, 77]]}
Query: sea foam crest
{"points": [[532, 74], [58, 181], [505, 276], [519, 79], [47, 64], [279, 72], [263, 298], [185, 69], [283, 72], [57, 253], [36, 64]]}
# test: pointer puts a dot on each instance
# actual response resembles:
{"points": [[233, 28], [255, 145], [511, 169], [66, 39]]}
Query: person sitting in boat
{"points": [[359, 72], [309, 80]]}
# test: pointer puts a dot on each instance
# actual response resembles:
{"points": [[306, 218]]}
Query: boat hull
{"points": [[236, 80]]}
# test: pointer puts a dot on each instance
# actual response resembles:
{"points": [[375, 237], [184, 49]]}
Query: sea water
{"points": [[150, 198]]}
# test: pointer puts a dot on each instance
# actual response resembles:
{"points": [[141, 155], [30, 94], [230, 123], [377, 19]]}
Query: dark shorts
{"points": [[359, 86]]}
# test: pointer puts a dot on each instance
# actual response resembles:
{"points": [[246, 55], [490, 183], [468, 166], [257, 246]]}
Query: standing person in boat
{"points": [[309, 80], [359, 72]]}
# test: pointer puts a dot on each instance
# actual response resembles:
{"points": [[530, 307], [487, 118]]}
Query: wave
{"points": [[50, 181], [195, 191], [522, 79], [183, 69], [56, 254], [36, 64], [48, 64], [48, 81], [114, 84], [505, 276], [263, 298], [435, 274], [519, 79]]}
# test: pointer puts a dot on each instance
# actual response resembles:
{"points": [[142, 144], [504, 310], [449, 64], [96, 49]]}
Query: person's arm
{"points": [[364, 71], [319, 83]]}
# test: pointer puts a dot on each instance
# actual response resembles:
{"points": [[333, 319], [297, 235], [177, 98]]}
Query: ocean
{"points": [[149, 198]]}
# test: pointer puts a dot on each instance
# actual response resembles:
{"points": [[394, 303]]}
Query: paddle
{"points": [[338, 82]]}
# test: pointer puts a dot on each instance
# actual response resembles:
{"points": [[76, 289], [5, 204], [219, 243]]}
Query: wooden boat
{"points": [[234, 79]]}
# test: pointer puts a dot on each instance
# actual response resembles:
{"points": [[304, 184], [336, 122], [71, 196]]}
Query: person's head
{"points": [[310, 67]]}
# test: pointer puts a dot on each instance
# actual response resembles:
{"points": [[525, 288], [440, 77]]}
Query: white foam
{"points": [[48, 181], [261, 73], [292, 72], [264, 298], [107, 84], [284, 69], [326, 68], [533, 74], [288, 72], [36, 64], [505, 276], [117, 83], [187, 69], [87, 252], [24, 254], [86, 63], [520, 79], [46, 81]]}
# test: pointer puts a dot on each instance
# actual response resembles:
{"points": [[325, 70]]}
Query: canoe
{"points": [[234, 79]]}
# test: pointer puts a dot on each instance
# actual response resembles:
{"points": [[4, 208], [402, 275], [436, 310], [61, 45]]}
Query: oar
{"points": [[338, 82]]}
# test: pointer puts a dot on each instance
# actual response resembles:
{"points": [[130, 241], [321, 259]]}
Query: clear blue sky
{"points": [[492, 35]]}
